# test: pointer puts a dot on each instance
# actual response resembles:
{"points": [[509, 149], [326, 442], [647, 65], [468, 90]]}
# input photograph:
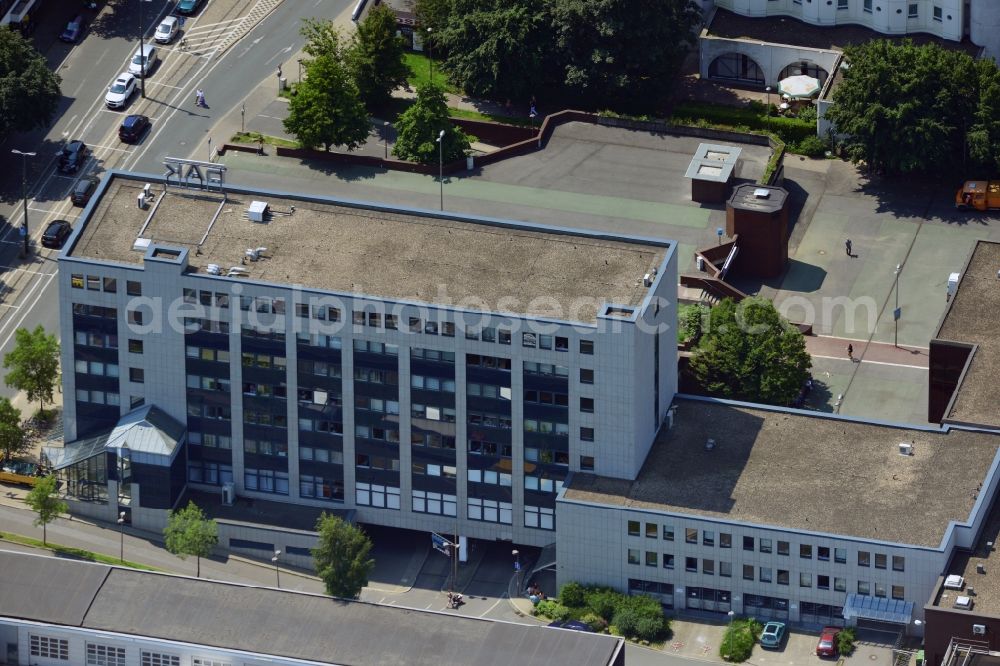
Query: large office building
{"points": [[55, 612], [422, 370]]}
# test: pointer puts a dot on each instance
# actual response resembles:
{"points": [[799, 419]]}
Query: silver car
{"points": [[143, 60], [167, 30]]}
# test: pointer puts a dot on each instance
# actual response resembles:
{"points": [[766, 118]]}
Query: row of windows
{"points": [[266, 481], [210, 440], [372, 494], [546, 427], [490, 511], [216, 412], [86, 310], [545, 456], [480, 447], [210, 299], [542, 484], [431, 469], [209, 472], [96, 368], [439, 503], [488, 420], [766, 545], [432, 355], [433, 440], [488, 362], [710, 567], [319, 487], [193, 324], [318, 340], [320, 368], [266, 419], [490, 476], [206, 354], [546, 398], [376, 376], [384, 434], [432, 384], [98, 397], [264, 361], [321, 455], [92, 339], [266, 447], [432, 413], [367, 404], [365, 461], [94, 283], [374, 347], [259, 333], [208, 383]]}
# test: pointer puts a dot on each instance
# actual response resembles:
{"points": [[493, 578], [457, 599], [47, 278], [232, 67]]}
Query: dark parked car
{"points": [[575, 625], [72, 156], [71, 35], [83, 191], [56, 234], [187, 6], [132, 128]]}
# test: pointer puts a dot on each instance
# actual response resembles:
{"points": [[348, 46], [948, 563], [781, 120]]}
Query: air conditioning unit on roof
{"points": [[954, 582], [963, 603]]}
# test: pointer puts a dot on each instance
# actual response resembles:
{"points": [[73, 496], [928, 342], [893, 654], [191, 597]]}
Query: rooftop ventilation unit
{"points": [[255, 253], [257, 212], [954, 582], [980, 568], [213, 269], [963, 603], [979, 629], [971, 591], [647, 280], [905, 449], [762, 193], [141, 244]]}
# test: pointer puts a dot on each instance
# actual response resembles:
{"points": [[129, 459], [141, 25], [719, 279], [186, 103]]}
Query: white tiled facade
{"points": [[205, 380], [942, 18]]}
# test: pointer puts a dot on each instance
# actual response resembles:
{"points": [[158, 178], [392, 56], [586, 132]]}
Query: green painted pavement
{"points": [[478, 188]]}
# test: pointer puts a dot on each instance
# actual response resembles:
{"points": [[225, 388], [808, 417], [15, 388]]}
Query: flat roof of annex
{"points": [[803, 472], [971, 318], [379, 251]]}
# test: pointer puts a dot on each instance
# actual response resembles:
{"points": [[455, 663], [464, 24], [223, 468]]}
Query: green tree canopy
{"points": [[189, 532], [376, 57], [420, 125], [322, 38], [498, 48], [44, 501], [29, 90], [12, 439], [623, 52], [33, 365], [918, 109], [749, 352], [326, 110], [342, 557]]}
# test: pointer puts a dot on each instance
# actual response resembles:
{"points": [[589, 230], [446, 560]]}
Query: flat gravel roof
{"points": [[804, 472], [392, 255], [972, 318]]}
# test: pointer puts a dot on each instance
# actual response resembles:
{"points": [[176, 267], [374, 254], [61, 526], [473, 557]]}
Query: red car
{"points": [[827, 646]]}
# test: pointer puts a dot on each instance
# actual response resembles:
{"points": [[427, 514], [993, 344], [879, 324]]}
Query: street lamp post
{"points": [[895, 312], [300, 71], [142, 53], [121, 529], [209, 149], [24, 191], [243, 115], [768, 107], [440, 142], [517, 567], [277, 574], [430, 53], [385, 137], [732, 614]]}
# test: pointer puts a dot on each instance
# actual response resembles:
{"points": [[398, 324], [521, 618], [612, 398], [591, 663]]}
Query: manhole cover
{"points": [[822, 251], [873, 657]]}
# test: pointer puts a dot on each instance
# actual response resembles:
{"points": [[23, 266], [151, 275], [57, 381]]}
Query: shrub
{"points": [[594, 621], [640, 617], [572, 594], [811, 146], [737, 642], [845, 641], [650, 628], [690, 320], [553, 610], [625, 621], [603, 601], [807, 113]]}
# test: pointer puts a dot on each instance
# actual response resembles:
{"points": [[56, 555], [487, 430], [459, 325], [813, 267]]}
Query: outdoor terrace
{"points": [[386, 254], [804, 472]]}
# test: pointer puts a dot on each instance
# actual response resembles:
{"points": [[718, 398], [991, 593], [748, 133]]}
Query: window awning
{"points": [[876, 608]]}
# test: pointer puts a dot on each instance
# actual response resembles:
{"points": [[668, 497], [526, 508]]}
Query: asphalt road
{"points": [[29, 293]]}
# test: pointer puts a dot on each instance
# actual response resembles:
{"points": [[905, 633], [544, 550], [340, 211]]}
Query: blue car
{"points": [[773, 635], [71, 35], [575, 625], [187, 6]]}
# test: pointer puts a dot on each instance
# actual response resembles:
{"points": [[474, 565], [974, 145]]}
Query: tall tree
{"points": [[33, 365], [419, 127], [906, 108], [29, 90], [326, 109], [12, 439], [342, 557], [499, 48], [189, 532], [322, 38], [984, 134], [623, 53], [433, 14], [44, 501], [376, 57], [749, 352]]}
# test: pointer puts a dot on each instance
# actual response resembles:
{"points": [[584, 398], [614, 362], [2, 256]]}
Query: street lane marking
{"points": [[209, 25], [43, 283], [862, 360], [120, 150]]}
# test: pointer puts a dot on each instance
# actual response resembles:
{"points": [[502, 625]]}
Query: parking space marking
{"points": [[12, 307], [44, 211], [120, 150], [150, 84]]}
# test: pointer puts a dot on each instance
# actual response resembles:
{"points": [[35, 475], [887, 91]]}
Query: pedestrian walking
{"points": [[847, 244], [850, 352]]}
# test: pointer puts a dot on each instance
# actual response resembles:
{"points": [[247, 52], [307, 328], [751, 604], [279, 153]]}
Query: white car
{"points": [[167, 30], [121, 91], [143, 60]]}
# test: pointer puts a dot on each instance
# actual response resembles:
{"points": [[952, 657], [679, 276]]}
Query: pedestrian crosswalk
{"points": [[212, 39], [256, 14]]}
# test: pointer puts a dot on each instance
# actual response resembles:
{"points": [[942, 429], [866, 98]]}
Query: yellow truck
{"points": [[21, 473], [978, 195]]}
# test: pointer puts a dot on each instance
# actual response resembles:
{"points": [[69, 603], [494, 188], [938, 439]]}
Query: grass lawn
{"points": [[420, 73], [507, 120], [255, 137], [74, 553]]}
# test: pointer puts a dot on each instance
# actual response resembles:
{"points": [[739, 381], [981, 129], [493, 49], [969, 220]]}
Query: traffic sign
{"points": [[441, 544]]}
